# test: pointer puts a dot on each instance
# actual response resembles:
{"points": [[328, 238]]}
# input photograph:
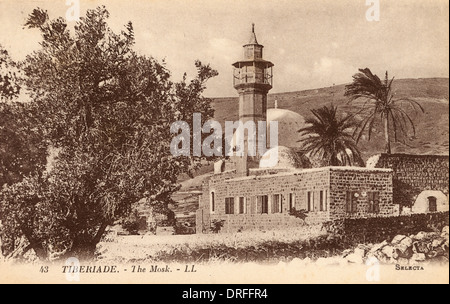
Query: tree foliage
{"points": [[22, 150], [328, 137], [9, 78], [22, 147], [108, 111], [381, 104]]}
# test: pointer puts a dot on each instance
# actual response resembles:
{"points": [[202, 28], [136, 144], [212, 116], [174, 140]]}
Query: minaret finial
{"points": [[253, 36]]}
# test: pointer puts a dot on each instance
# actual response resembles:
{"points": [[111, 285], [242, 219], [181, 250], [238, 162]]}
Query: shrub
{"points": [[132, 223], [301, 214], [217, 225]]}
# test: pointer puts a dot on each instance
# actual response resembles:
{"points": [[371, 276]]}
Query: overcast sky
{"points": [[313, 43]]}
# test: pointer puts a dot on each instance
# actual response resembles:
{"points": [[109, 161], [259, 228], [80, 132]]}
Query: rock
{"points": [[407, 242], [361, 250], [445, 231], [377, 247], [432, 254], [445, 246], [418, 257], [397, 239], [440, 251], [421, 247], [355, 258], [437, 243], [388, 251], [421, 236], [383, 259], [433, 235], [404, 245], [407, 254], [346, 252]]}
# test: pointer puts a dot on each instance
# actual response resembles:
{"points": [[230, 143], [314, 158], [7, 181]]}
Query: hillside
{"points": [[432, 127]]}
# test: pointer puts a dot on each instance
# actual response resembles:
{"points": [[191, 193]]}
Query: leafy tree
{"points": [[328, 137], [381, 104], [22, 150], [108, 111], [9, 78]]}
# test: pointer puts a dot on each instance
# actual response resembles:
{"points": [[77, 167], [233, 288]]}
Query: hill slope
{"points": [[432, 127]]}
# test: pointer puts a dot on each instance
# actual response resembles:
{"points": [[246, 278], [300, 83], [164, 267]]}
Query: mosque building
{"points": [[246, 194]]}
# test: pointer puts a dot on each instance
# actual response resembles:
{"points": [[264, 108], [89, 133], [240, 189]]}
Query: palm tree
{"points": [[329, 137], [378, 94]]}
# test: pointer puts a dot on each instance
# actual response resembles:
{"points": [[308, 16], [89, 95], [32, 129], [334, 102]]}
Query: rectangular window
{"points": [[309, 201], [276, 204], [374, 202], [321, 201], [351, 202], [213, 202], [251, 205], [229, 205], [263, 204], [291, 201], [241, 205]]}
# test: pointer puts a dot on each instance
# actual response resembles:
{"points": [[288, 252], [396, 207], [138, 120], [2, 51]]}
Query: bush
{"points": [[301, 214], [184, 228], [132, 223], [217, 225]]}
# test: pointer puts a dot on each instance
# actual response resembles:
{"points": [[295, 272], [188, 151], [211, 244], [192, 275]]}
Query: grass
{"points": [[253, 246]]}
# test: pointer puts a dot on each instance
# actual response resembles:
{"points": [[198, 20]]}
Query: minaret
{"points": [[253, 80]]}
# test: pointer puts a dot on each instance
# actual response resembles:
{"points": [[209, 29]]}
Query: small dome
{"points": [[289, 123], [281, 157]]}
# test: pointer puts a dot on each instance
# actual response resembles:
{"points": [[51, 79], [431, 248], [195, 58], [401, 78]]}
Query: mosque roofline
{"points": [[301, 171]]}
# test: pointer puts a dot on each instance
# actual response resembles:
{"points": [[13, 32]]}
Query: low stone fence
{"points": [[352, 232]]}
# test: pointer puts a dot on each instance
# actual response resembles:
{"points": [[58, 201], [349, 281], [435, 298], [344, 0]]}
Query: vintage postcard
{"points": [[224, 141]]}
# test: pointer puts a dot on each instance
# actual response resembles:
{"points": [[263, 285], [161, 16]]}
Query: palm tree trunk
{"points": [[386, 134]]}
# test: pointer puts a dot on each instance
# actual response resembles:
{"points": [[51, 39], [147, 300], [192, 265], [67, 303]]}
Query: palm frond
{"points": [[405, 115]]}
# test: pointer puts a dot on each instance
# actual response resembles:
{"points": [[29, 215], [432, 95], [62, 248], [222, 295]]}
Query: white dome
{"points": [[280, 157], [289, 123]]}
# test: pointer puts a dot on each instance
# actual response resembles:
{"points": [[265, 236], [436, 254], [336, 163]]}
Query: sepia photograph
{"points": [[224, 142]]}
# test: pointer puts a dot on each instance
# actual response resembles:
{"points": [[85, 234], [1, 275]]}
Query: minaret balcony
{"points": [[242, 78]]}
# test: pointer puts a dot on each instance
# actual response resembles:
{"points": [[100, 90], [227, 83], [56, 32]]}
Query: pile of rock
{"points": [[405, 250]]}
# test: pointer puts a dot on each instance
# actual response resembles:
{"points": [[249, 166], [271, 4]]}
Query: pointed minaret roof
{"points": [[253, 36]]}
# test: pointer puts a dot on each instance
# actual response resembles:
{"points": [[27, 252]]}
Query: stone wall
{"points": [[416, 173], [372, 230], [330, 183], [361, 182]]}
